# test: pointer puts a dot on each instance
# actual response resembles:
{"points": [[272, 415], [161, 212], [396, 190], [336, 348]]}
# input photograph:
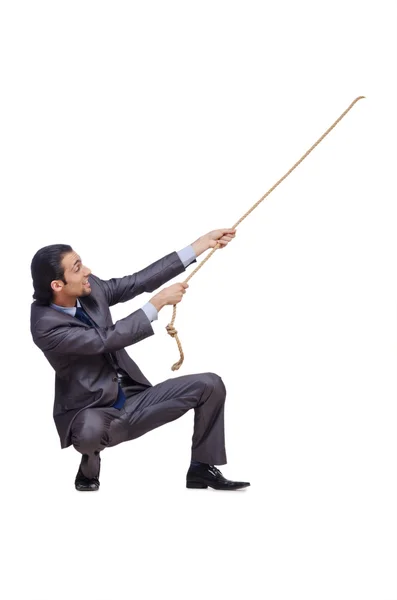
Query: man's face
{"points": [[76, 277]]}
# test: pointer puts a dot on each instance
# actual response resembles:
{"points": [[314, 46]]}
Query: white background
{"points": [[129, 129]]}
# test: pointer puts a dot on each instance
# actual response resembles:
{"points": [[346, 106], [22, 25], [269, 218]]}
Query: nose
{"points": [[87, 271]]}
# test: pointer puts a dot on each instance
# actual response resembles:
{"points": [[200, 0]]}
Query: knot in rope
{"points": [[171, 331]]}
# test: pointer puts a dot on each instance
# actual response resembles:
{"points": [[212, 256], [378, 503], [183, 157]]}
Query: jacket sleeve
{"points": [[78, 340], [147, 280]]}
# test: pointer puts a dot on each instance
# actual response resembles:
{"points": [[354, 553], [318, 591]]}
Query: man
{"points": [[101, 396]]}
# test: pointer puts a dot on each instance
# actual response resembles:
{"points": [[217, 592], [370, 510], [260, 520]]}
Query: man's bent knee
{"points": [[89, 436], [215, 382], [88, 443]]}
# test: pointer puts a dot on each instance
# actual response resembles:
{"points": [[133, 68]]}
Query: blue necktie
{"points": [[82, 316]]}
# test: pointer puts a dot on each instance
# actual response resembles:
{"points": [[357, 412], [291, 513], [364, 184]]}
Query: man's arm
{"points": [[69, 340], [187, 256], [149, 279], [161, 271]]}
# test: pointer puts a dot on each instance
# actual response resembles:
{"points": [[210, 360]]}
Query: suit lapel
{"points": [[91, 307]]}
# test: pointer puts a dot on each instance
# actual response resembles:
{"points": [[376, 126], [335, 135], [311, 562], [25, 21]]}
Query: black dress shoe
{"points": [[86, 484], [203, 476]]}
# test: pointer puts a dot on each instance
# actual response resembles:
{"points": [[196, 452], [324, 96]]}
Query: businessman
{"points": [[102, 398]]}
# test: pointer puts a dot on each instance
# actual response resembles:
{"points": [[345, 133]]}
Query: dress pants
{"points": [[148, 407]]}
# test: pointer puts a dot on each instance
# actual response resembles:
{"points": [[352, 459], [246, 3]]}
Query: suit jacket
{"points": [[83, 376]]}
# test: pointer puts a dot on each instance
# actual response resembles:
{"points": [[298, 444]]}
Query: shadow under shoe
{"points": [[204, 476]]}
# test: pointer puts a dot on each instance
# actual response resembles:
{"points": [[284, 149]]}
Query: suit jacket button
{"points": [[114, 379]]}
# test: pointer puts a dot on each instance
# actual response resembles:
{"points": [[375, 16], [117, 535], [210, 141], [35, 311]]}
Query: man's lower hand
{"points": [[169, 296]]}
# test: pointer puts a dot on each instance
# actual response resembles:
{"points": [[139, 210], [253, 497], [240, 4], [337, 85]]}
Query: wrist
{"points": [[199, 246], [157, 302]]}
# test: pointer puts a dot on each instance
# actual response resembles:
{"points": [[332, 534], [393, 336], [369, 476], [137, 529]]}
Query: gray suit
{"points": [[86, 384]]}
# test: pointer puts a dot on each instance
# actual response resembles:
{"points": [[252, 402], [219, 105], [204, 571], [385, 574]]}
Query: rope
{"points": [[170, 327]]}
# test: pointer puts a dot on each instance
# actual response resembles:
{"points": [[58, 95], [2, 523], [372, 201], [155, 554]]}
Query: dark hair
{"points": [[46, 266]]}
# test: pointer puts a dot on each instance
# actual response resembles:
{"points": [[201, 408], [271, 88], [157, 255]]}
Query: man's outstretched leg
{"points": [[168, 400]]}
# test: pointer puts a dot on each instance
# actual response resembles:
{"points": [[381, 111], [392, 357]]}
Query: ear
{"points": [[56, 285]]}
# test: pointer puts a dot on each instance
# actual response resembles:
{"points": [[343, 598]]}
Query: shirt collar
{"points": [[69, 310]]}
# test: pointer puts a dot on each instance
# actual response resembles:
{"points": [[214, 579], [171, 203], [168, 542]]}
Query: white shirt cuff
{"points": [[187, 255], [150, 311]]}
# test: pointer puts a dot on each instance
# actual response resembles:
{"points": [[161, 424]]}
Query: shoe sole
{"points": [[203, 486]]}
